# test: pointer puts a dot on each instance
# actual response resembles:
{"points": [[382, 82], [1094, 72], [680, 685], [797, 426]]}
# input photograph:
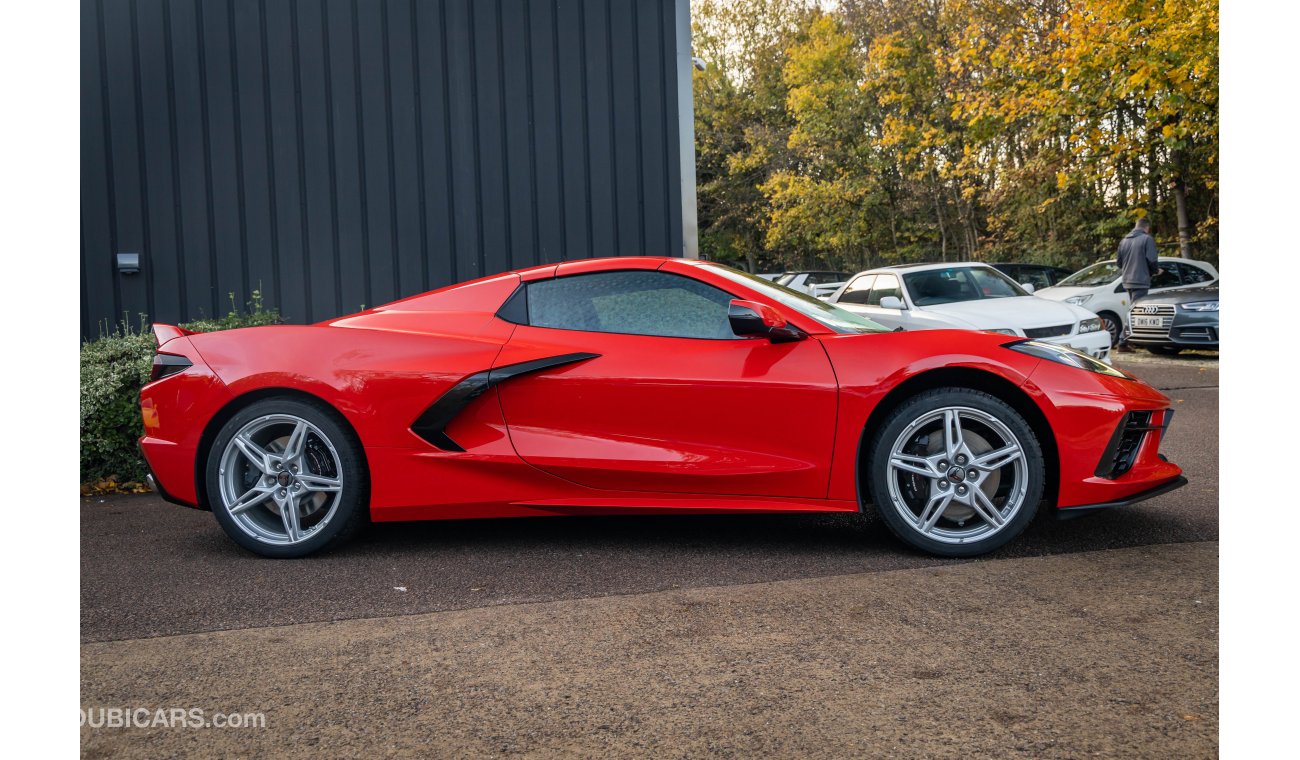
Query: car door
{"points": [[666, 398]]}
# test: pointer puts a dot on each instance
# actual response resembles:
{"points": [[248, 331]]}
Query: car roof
{"points": [[893, 268]]}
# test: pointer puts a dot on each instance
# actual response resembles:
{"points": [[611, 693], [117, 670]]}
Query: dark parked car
{"points": [[1038, 275], [1166, 323]]}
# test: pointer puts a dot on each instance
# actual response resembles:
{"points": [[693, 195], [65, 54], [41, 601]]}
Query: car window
{"points": [[1101, 273], [885, 285], [1168, 278], [993, 284], [1193, 274], [938, 286], [631, 302], [785, 278], [828, 314], [825, 278], [858, 290], [1035, 276]]}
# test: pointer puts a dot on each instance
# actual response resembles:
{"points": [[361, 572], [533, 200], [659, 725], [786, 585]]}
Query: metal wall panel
{"points": [[343, 153]]}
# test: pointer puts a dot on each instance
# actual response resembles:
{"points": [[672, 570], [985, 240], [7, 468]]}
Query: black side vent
{"points": [[432, 424], [1121, 453]]}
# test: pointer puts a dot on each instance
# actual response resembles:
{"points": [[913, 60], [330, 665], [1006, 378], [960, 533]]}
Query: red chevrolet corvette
{"points": [[638, 386]]}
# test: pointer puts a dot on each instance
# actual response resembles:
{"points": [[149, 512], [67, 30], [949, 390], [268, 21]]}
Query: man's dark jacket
{"points": [[1137, 259]]}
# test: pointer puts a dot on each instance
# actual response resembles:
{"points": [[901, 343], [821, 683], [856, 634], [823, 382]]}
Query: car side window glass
{"points": [[885, 285], [1037, 277], [1167, 278], [1193, 274], [859, 290], [633, 302]]}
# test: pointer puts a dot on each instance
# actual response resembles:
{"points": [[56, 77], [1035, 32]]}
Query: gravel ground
{"points": [[1110, 654]]}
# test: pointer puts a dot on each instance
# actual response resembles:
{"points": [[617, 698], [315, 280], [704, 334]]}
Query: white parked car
{"points": [[1100, 290], [968, 297]]}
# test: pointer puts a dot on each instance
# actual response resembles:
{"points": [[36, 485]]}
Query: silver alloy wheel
{"points": [[281, 479], [957, 475]]}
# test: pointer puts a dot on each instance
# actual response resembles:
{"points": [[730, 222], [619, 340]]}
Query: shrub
{"points": [[113, 369]]}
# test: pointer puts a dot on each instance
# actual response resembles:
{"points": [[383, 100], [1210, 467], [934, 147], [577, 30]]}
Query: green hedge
{"points": [[113, 369]]}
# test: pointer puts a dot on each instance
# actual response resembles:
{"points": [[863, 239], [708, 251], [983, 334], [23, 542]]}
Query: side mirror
{"points": [[892, 302], [1028, 286], [753, 318]]}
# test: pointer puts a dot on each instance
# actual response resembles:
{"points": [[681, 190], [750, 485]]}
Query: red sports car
{"points": [[638, 386]]}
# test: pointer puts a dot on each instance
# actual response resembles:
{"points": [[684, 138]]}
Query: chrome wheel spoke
{"points": [[256, 455], [254, 496], [913, 464], [289, 515], [293, 449], [999, 458], [314, 482], [934, 509], [987, 509], [952, 437]]}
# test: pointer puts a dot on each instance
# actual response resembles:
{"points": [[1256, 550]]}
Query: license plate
{"points": [[1148, 321]]}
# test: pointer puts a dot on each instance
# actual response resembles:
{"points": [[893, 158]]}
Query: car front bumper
{"points": [[1108, 432], [1069, 513], [1095, 344], [1185, 329]]}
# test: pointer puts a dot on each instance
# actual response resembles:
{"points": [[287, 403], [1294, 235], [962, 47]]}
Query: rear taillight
{"points": [[165, 365]]}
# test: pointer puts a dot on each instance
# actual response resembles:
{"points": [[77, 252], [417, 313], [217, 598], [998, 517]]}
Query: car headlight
{"points": [[1200, 306], [1090, 325], [1003, 330], [1079, 300], [1066, 355]]}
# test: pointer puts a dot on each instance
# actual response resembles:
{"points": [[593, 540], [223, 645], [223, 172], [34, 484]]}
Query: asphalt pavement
{"points": [[166, 599]]}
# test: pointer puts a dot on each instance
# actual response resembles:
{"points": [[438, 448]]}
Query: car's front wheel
{"points": [[956, 472], [1113, 326], [286, 478]]}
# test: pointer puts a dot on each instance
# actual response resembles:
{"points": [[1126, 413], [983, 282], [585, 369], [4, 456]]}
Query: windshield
{"points": [[783, 279], [936, 286], [1101, 273], [827, 314]]}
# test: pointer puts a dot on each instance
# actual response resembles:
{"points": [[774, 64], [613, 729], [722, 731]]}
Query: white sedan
{"points": [[969, 297]]}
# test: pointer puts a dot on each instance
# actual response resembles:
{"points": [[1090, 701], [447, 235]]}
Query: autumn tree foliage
{"points": [[881, 131]]}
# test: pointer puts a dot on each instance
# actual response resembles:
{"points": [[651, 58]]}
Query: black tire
{"points": [[1165, 350], [930, 402], [1113, 326], [350, 512]]}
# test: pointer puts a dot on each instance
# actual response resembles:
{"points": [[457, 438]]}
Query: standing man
{"points": [[1138, 261]]}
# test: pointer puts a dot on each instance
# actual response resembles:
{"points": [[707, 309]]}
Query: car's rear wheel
{"points": [[956, 472], [286, 478]]}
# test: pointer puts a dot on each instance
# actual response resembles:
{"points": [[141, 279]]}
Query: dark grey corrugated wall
{"points": [[346, 152]]}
